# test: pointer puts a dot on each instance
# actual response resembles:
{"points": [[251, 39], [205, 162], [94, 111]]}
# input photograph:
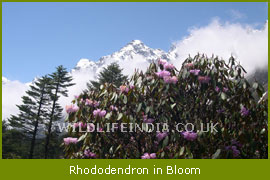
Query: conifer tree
{"points": [[111, 74], [61, 80], [32, 111]]}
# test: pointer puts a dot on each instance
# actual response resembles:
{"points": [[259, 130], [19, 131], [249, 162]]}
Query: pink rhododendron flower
{"points": [[234, 150], [167, 79], [96, 112], [148, 120], [102, 113], [145, 156], [189, 65], [82, 125], [204, 79], [75, 125], [190, 136], [162, 62], [244, 111], [174, 79], [153, 156], [71, 108], [89, 154], [95, 103], [163, 74], [149, 156], [195, 71], [88, 102], [168, 66], [161, 135], [99, 112], [217, 89], [90, 127], [170, 80], [70, 140], [113, 108], [124, 89], [225, 89]]}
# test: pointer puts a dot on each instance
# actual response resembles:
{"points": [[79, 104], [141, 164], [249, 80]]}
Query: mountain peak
{"points": [[136, 42]]}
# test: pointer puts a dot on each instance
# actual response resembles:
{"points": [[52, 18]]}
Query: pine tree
{"points": [[32, 111], [111, 74], [14, 143], [61, 80]]}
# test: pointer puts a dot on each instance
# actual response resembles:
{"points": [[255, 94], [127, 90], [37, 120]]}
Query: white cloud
{"points": [[248, 44], [12, 91]]}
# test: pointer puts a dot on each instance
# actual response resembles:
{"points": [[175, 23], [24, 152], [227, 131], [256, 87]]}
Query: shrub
{"points": [[204, 91]]}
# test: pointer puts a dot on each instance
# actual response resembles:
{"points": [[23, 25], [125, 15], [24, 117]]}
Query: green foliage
{"points": [[219, 93], [111, 74], [61, 80], [39, 107]]}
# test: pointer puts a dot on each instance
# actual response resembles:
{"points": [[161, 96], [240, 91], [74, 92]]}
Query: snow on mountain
{"points": [[134, 55], [246, 43]]}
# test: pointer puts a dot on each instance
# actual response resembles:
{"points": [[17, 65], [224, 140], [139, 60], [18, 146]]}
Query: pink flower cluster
{"points": [[149, 156], [113, 108], [204, 79], [244, 111], [234, 150], [89, 102], [70, 140], [148, 120], [195, 71], [71, 108], [217, 89], [89, 154], [162, 62], [99, 112], [189, 65], [170, 80], [80, 124], [166, 75], [160, 136], [124, 89], [168, 66], [190, 136], [165, 64], [163, 74]]}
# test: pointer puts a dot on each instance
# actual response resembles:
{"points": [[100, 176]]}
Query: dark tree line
{"points": [[30, 133], [31, 128]]}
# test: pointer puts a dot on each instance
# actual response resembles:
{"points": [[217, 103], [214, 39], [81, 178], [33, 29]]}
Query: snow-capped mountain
{"points": [[246, 43], [134, 55], [134, 52]]}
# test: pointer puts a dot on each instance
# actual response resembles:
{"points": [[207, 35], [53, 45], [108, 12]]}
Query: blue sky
{"points": [[37, 37]]}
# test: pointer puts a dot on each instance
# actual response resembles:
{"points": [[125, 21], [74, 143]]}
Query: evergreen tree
{"points": [[61, 80], [32, 111], [14, 143], [111, 74]]}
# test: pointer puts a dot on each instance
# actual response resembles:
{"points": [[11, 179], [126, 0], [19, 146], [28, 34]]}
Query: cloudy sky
{"points": [[37, 37]]}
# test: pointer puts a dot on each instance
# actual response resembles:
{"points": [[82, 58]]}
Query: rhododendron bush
{"points": [[204, 109]]}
